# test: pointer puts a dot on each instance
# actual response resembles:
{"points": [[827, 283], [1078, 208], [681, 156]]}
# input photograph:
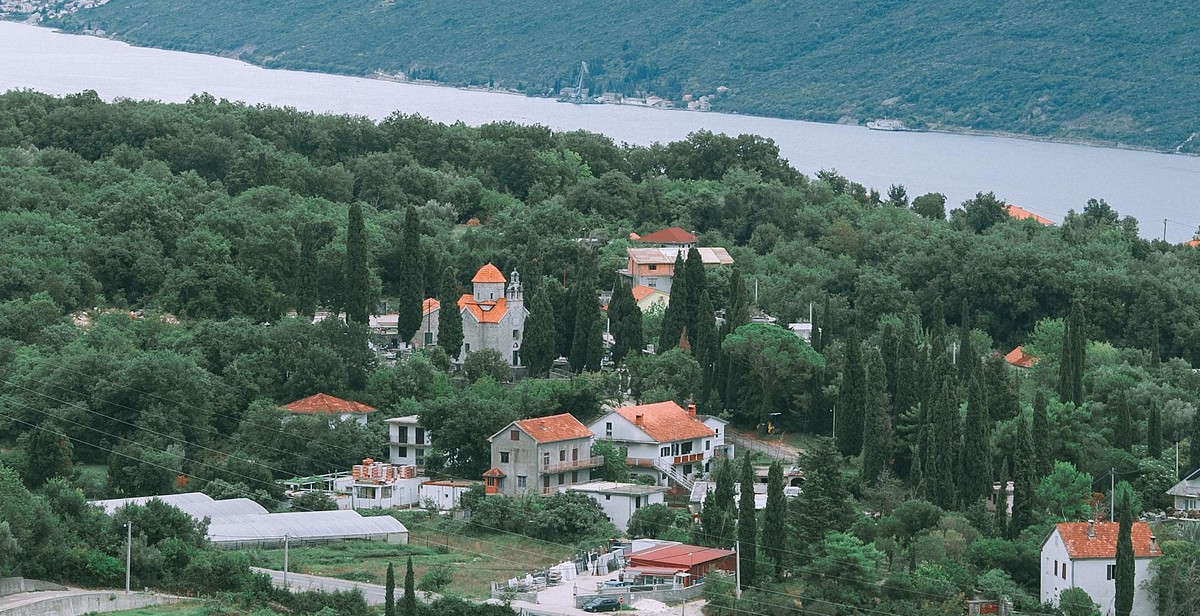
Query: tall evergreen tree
{"points": [[450, 329], [1024, 481], [889, 347], [706, 351], [693, 273], [823, 328], [675, 318], [852, 398], [1001, 510], [1042, 451], [537, 349], [940, 470], [625, 319], [588, 346], [408, 603], [824, 505], [975, 479], [1070, 371], [717, 516], [968, 358], [747, 525], [1194, 448], [774, 531], [1154, 443], [313, 237], [737, 313], [411, 287], [564, 324], [1001, 394], [1123, 434], [1155, 340], [389, 592], [1123, 604], [358, 295], [877, 439]]}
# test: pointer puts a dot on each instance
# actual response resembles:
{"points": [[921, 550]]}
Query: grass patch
{"points": [[476, 560], [187, 608]]}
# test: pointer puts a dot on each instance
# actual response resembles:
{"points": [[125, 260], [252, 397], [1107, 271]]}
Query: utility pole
{"points": [[285, 560], [1112, 494], [128, 552], [1164, 229], [737, 554]]}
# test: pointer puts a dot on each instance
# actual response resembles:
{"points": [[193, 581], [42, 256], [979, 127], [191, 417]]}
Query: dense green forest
{"points": [[150, 255], [1116, 72]]}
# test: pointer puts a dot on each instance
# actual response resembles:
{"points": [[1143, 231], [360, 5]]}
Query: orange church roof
{"points": [[325, 404], [489, 274], [1021, 213], [484, 312]]}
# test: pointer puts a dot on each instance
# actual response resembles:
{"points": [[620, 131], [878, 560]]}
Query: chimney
{"points": [[1091, 529], [639, 419], [692, 409], [1153, 544]]}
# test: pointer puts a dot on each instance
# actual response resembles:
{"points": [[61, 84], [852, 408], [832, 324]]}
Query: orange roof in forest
{"points": [[1021, 213], [665, 421], [326, 404], [485, 312], [494, 472], [641, 292], [429, 305], [1193, 243], [1017, 357], [489, 274], [1104, 544], [554, 428], [670, 235]]}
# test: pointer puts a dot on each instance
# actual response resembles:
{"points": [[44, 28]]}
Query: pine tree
{"points": [[1024, 481], [877, 441], [1042, 451], [975, 479], [717, 516], [538, 347], [358, 294], [747, 526], [408, 603], [1002, 501], [410, 291], [1070, 371], [940, 470], [774, 531], [450, 329], [852, 398], [625, 318], [675, 318], [1123, 434], [824, 505], [693, 272], [588, 346], [389, 592], [1125, 567]]}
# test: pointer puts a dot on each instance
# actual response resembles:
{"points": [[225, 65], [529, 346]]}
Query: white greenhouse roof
{"points": [[195, 504]]}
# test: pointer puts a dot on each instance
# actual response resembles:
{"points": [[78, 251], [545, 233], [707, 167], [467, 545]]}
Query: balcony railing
{"points": [[690, 458], [573, 465]]}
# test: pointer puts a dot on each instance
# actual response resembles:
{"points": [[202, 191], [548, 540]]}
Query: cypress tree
{"points": [[538, 347], [675, 318], [1002, 501], [774, 532], [587, 347], [1042, 451], [1024, 481], [697, 285], [1123, 603], [975, 479], [889, 347], [1070, 371], [941, 464], [389, 592], [357, 296], [408, 603], [877, 441], [747, 525], [968, 359], [1123, 434], [852, 398], [1003, 403], [706, 350], [313, 237], [1155, 352], [450, 329], [737, 314], [1154, 445], [824, 334], [625, 318], [564, 324], [411, 287], [824, 505], [717, 516], [1194, 448]]}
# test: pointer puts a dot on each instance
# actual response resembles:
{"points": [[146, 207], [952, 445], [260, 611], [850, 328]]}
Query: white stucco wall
{"points": [[1092, 576], [619, 508]]}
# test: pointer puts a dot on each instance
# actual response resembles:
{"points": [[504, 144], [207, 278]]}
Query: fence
{"points": [[664, 593], [771, 451]]}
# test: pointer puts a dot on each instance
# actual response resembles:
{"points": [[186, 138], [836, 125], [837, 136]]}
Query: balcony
{"points": [[573, 465], [691, 458]]}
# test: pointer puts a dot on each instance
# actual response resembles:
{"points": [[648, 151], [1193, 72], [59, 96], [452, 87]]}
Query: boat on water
{"points": [[892, 125]]}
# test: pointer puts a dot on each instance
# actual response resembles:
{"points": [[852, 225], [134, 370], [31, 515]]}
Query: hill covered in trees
{"points": [[1118, 72]]}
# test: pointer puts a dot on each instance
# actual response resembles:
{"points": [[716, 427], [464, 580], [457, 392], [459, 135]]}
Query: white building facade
{"points": [[408, 442], [1084, 555], [663, 440], [620, 500]]}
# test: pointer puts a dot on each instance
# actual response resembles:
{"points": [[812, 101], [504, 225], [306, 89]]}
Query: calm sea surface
{"points": [[1047, 178]]}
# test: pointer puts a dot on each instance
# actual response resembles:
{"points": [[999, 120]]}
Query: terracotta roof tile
{"points": [[1104, 544], [641, 292], [326, 404], [1017, 357], [665, 422], [554, 428], [489, 274], [429, 305], [1021, 213], [680, 556], [1192, 243], [666, 256], [670, 235], [494, 472], [485, 312]]}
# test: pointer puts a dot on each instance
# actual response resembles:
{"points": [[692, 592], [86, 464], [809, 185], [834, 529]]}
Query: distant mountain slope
{"points": [[1121, 72]]}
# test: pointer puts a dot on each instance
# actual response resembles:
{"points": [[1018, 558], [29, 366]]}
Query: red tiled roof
{"points": [[665, 422], [1021, 213], [494, 472], [1104, 544], [1192, 243], [485, 312], [641, 292], [489, 273], [682, 556], [326, 404], [429, 305], [670, 235], [554, 428], [1017, 357]]}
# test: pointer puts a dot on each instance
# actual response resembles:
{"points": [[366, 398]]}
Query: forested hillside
{"points": [[1118, 72]]}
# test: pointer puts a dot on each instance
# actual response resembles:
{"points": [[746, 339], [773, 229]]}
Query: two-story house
{"points": [[540, 456], [655, 267], [408, 442], [663, 440], [1187, 494], [1084, 555]]}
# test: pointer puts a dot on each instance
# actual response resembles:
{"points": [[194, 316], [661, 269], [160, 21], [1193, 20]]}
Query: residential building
{"points": [[408, 442], [540, 456], [677, 563], [663, 440], [427, 333], [655, 267], [669, 237], [1187, 495], [325, 404], [1019, 213], [1018, 358], [443, 495], [378, 485], [620, 500], [649, 297], [493, 314], [1084, 555]]}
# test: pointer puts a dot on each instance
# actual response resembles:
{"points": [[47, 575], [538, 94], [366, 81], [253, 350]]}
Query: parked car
{"points": [[602, 604], [617, 584]]}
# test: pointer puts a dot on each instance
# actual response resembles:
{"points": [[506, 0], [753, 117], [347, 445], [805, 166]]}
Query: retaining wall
{"points": [[14, 585], [86, 603]]}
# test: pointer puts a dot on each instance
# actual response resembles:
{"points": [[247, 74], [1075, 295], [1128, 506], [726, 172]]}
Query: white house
{"points": [[663, 440], [1084, 555], [1187, 493], [408, 442], [620, 500], [443, 495], [325, 404]]}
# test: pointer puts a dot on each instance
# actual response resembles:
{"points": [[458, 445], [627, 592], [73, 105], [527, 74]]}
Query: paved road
{"points": [[373, 593]]}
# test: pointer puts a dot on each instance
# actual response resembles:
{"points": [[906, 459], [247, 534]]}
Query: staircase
{"points": [[663, 465]]}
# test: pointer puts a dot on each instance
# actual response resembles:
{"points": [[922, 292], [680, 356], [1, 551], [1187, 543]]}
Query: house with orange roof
{"points": [[1019, 213], [493, 315], [664, 441], [540, 456], [649, 297], [669, 237], [1018, 358], [325, 404], [1084, 555], [426, 334]]}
